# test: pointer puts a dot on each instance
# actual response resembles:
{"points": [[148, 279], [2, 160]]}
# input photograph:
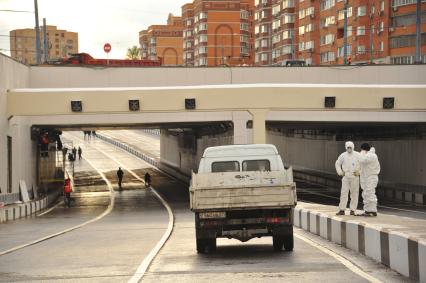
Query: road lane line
{"points": [[351, 266], [106, 212], [143, 267], [50, 209]]}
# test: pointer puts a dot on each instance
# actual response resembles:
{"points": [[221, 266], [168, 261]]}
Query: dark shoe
{"points": [[352, 212], [341, 212], [368, 214], [373, 214]]}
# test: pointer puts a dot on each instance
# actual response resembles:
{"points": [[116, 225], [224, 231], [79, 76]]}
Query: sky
{"points": [[96, 21]]}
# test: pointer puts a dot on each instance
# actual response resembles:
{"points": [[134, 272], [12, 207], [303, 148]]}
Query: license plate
{"points": [[212, 214]]}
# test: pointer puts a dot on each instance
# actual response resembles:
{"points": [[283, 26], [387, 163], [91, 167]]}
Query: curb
{"points": [[402, 253], [22, 210]]}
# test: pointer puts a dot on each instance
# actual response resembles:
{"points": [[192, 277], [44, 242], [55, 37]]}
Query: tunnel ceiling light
{"points": [[190, 103], [330, 102], [388, 102], [76, 106], [134, 105]]}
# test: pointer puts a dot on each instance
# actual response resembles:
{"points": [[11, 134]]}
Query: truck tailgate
{"points": [[242, 190]]}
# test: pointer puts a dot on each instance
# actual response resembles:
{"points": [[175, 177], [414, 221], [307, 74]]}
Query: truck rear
{"points": [[242, 192]]}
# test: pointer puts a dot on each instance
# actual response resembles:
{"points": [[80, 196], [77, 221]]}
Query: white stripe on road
{"points": [[106, 212], [150, 257], [349, 265]]}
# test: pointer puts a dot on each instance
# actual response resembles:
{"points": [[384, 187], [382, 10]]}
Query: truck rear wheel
{"points": [[288, 242], [277, 242], [206, 245]]}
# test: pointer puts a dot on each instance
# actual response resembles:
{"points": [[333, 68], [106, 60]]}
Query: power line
{"points": [[17, 11]]}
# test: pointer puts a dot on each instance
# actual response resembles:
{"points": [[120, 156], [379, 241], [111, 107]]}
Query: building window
{"points": [[276, 38], [203, 38], [288, 34], [382, 46], [275, 24], [263, 28], [360, 30], [327, 39], [288, 18], [244, 26], [405, 41], [288, 4], [341, 51], [382, 6], [264, 43], [407, 20], [244, 38], [264, 57], [309, 28], [244, 14], [244, 50], [301, 30], [276, 9], [397, 3], [327, 57], [287, 49], [360, 49], [202, 50], [202, 61], [202, 26], [309, 44], [362, 10], [341, 15], [309, 11], [331, 20], [256, 29], [326, 4], [202, 15]]}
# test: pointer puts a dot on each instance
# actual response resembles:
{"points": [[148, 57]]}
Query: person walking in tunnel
{"points": [[370, 169], [80, 151], [348, 167], [74, 153], [120, 175], [147, 180]]}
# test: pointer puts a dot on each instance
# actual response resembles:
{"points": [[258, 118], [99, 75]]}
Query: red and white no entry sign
{"points": [[107, 47]]}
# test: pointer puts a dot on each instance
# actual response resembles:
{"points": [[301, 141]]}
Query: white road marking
{"points": [[150, 257], [349, 265], [106, 212], [50, 209]]}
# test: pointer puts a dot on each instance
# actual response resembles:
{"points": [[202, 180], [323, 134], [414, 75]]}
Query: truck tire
{"points": [[201, 246], [278, 242], [206, 246], [288, 242]]}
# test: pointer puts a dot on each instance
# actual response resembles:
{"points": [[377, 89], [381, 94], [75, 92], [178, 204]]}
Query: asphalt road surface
{"points": [[126, 225]]}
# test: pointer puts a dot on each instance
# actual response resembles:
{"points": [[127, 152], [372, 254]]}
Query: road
{"points": [[125, 226]]}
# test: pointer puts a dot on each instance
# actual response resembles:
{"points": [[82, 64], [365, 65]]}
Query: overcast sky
{"points": [[96, 21]]}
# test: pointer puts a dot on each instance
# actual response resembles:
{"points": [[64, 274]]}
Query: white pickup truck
{"points": [[243, 192]]}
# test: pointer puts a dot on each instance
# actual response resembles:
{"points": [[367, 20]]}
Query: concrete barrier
{"points": [[13, 212], [401, 252]]}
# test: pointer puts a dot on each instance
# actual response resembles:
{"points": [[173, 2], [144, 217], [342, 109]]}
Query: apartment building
{"points": [[163, 41], [61, 44], [218, 32], [381, 31], [274, 31]]}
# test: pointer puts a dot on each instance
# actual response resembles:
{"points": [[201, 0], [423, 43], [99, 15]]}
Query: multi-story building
{"points": [[380, 31], [274, 31], [164, 41], [218, 32], [188, 34], [61, 44]]}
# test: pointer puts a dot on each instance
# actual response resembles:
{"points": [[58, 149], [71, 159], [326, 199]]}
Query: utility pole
{"points": [[345, 33], [45, 41], [37, 27], [371, 43], [418, 32]]}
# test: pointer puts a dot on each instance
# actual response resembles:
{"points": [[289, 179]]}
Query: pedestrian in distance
{"points": [[74, 153], [67, 192], [147, 179], [80, 151], [120, 175], [370, 169], [348, 167]]}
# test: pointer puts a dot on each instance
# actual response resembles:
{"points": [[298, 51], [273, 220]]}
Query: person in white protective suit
{"points": [[348, 167], [370, 169]]}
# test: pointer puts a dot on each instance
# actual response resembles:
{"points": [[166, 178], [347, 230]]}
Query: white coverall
{"points": [[347, 165], [370, 169]]}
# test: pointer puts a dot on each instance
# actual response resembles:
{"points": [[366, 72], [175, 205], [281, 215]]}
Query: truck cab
{"points": [[242, 192]]}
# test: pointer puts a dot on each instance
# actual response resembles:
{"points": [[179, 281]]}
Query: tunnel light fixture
{"points": [[190, 103], [134, 105], [330, 102], [76, 106], [388, 102]]}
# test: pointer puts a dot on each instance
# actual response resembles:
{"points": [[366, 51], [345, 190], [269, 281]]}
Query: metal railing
{"points": [[9, 198]]}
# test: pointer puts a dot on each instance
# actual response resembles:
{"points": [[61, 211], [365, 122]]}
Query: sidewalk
{"points": [[395, 241]]}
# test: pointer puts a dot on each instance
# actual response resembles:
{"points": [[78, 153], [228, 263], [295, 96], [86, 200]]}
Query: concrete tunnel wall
{"points": [[402, 161]]}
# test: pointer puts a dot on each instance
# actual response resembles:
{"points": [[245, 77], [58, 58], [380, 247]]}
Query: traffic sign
{"points": [[107, 47]]}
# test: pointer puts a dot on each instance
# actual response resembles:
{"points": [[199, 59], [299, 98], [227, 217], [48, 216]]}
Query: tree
{"points": [[133, 53]]}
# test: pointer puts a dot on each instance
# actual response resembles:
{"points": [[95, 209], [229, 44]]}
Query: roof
{"points": [[240, 150]]}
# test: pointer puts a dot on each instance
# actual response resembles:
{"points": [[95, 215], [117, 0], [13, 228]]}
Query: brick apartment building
{"points": [[164, 41], [218, 32], [381, 31], [61, 44]]}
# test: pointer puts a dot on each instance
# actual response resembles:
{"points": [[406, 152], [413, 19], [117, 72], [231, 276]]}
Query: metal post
{"points": [[371, 43], [418, 32], [37, 27], [345, 34], [223, 55], [45, 41]]}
